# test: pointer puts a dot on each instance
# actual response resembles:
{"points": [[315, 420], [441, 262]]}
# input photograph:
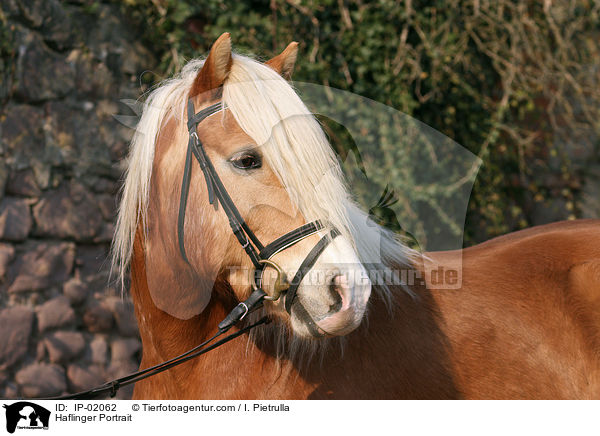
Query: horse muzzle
{"points": [[332, 298]]}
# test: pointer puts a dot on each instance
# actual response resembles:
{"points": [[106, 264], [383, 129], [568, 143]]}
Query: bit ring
{"points": [[281, 284]]}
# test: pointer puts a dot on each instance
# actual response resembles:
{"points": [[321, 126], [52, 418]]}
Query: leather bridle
{"points": [[259, 254]]}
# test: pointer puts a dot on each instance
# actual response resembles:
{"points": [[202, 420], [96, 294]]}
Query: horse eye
{"points": [[247, 160]]}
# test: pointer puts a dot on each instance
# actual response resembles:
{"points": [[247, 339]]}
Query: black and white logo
{"points": [[26, 415]]}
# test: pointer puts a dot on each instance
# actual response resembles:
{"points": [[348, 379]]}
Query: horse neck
{"points": [[165, 336], [407, 335]]}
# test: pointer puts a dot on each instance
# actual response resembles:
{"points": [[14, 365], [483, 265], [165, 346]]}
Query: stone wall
{"points": [[63, 69]]}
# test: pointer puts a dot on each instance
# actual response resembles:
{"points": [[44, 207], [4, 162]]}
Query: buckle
{"points": [[245, 311]]}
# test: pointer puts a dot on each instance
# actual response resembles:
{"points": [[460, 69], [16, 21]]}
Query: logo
{"points": [[26, 415]]}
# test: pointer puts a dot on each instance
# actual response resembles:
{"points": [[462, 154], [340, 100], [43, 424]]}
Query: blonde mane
{"points": [[268, 109]]}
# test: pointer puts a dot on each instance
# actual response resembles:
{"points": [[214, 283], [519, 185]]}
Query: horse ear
{"points": [[216, 67], [284, 62]]}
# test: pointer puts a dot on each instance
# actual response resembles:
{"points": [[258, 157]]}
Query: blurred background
{"points": [[515, 82]]}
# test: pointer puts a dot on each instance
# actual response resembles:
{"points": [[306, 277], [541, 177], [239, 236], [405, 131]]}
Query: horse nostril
{"points": [[342, 315], [336, 291]]}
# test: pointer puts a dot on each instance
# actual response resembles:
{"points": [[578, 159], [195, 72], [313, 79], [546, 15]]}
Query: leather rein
{"points": [[259, 254]]}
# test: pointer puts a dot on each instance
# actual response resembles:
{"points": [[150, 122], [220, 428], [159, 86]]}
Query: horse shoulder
{"points": [[526, 313], [583, 297]]}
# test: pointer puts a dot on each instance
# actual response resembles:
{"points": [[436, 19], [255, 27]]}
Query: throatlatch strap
{"points": [[305, 267]]}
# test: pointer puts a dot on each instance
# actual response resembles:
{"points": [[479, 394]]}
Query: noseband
{"points": [[259, 254]]}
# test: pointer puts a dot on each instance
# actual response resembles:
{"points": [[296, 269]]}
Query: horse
{"points": [[523, 324]]}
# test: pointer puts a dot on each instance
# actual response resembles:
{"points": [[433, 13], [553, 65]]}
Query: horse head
{"points": [[280, 172]]}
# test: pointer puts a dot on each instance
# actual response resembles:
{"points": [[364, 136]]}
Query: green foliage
{"points": [[6, 46], [515, 82]]}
